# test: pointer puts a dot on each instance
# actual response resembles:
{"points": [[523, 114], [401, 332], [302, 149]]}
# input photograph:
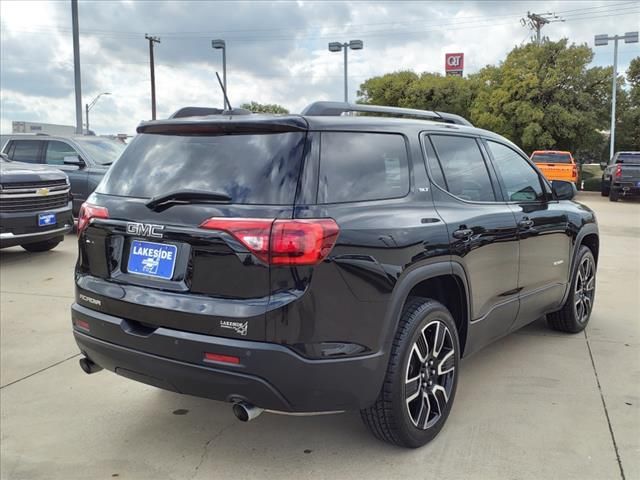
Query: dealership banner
{"points": [[454, 64]]}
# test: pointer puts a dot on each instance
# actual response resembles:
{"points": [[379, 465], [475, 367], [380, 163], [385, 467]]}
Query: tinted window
{"points": [[253, 169], [25, 151], [362, 166], [465, 172], [56, 151], [631, 157], [519, 180], [102, 150], [551, 158]]}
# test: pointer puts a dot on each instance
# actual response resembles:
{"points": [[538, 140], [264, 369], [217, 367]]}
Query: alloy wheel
{"points": [[430, 375], [585, 289]]}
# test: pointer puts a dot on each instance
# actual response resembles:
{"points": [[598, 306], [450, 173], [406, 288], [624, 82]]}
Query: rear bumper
{"points": [[626, 189], [20, 228], [268, 375]]}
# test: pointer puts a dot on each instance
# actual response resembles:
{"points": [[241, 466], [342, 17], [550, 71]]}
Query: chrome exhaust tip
{"points": [[88, 366], [245, 411]]}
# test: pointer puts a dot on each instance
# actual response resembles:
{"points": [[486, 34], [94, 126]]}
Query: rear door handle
{"points": [[525, 223], [463, 234]]}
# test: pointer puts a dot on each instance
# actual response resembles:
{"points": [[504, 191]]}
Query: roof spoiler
{"points": [[338, 108], [206, 111]]}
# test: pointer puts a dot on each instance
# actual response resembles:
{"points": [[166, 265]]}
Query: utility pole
{"points": [[152, 40], [76, 65], [536, 21]]}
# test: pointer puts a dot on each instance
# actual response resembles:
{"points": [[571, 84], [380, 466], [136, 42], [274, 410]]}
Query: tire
{"points": [[42, 246], [613, 195], [413, 422], [604, 191], [574, 316]]}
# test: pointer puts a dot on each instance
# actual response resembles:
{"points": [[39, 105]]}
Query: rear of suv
{"points": [[319, 263]]}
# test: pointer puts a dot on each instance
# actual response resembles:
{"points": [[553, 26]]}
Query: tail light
{"points": [[618, 172], [87, 212], [281, 242], [574, 173]]}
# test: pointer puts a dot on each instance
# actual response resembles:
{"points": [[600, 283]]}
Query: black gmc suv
{"points": [[323, 262]]}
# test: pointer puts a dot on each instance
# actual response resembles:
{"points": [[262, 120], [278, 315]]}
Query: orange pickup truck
{"points": [[556, 165]]}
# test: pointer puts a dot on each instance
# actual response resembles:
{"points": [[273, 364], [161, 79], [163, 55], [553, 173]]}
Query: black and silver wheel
{"points": [[421, 378], [430, 375], [575, 314]]}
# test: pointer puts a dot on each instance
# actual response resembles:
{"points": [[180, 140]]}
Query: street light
{"points": [[336, 47], [89, 106], [222, 45], [600, 40]]}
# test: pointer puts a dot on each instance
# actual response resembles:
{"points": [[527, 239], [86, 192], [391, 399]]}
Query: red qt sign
{"points": [[453, 62]]}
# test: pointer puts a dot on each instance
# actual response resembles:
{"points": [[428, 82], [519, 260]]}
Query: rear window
{"points": [[251, 169], [629, 158], [362, 166], [551, 158]]}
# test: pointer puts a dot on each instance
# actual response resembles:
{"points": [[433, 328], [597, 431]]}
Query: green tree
{"points": [[541, 96], [389, 89], [545, 97], [628, 110], [256, 107]]}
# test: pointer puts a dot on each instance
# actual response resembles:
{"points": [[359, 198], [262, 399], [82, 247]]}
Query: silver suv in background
{"points": [[84, 158]]}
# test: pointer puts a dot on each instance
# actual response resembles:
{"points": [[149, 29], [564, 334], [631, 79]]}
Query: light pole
{"points": [[600, 40], [220, 44], [336, 47], [89, 106]]}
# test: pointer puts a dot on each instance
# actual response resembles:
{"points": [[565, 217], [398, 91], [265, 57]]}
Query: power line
{"points": [[99, 32]]}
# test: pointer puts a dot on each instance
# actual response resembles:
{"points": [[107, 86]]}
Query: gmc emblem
{"points": [[145, 229]]}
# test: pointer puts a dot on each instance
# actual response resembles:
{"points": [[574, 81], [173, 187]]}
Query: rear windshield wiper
{"points": [[177, 197]]}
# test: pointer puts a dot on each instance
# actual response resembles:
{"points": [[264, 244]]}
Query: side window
{"points": [[362, 166], [465, 172], [56, 151], [519, 180], [25, 151]]}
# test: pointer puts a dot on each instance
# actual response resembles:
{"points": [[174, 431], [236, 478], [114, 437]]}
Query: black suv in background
{"points": [[35, 206], [323, 262], [84, 158]]}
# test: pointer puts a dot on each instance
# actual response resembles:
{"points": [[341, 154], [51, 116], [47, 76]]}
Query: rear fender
{"points": [[406, 284]]}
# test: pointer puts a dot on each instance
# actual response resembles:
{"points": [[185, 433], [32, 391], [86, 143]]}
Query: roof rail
{"points": [[338, 108], [204, 111]]}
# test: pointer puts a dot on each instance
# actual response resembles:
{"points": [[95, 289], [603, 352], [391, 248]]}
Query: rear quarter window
{"points": [[356, 166]]}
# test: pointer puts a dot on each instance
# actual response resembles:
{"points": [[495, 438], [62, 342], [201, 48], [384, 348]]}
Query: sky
{"points": [[276, 51]]}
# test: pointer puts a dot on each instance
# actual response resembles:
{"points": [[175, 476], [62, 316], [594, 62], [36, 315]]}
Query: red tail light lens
{"points": [[87, 212], [618, 172], [574, 173], [253, 233], [281, 242], [302, 242]]}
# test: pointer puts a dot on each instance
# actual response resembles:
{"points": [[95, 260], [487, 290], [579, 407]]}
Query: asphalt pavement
{"points": [[535, 405]]}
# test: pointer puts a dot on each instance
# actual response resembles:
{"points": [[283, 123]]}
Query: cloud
{"points": [[276, 51]]}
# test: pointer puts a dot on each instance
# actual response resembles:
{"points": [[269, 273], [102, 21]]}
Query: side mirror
{"points": [[603, 165], [5, 157], [74, 160], [563, 190]]}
